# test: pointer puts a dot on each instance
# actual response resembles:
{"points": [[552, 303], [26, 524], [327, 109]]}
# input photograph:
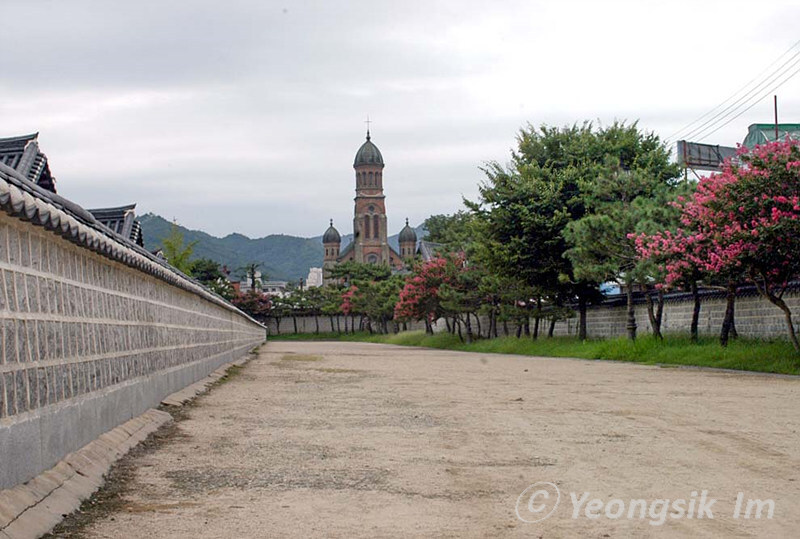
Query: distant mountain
{"points": [[282, 257]]}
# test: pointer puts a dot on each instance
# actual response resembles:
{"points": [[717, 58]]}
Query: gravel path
{"points": [[360, 440]]}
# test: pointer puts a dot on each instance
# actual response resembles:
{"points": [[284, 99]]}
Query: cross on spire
{"points": [[368, 122]]}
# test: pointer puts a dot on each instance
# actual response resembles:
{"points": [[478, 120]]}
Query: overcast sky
{"points": [[245, 116]]}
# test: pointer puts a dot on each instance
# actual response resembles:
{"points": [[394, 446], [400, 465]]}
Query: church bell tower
{"points": [[369, 221]]}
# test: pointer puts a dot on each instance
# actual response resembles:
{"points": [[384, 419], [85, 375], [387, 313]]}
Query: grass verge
{"points": [[742, 354]]}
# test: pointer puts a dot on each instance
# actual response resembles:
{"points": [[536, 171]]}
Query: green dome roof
{"points": [[368, 154], [331, 235], [407, 235]]}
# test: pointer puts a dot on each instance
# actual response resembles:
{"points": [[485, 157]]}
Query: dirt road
{"points": [[362, 440]]}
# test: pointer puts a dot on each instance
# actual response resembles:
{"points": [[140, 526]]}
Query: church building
{"points": [[369, 243]]}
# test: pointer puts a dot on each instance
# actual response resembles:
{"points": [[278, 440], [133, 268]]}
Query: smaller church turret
{"points": [[408, 242], [331, 241]]}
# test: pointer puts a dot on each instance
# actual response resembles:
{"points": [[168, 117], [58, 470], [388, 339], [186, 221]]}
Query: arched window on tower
{"points": [[371, 180], [378, 178], [366, 227], [376, 226]]}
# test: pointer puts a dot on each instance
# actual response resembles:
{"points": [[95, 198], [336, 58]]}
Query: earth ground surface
{"points": [[335, 439]]}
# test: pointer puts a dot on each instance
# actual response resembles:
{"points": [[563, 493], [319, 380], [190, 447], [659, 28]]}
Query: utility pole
{"points": [[775, 100]]}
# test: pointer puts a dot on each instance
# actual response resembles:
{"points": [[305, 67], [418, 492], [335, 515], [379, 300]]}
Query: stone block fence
{"points": [[322, 324], [755, 317], [95, 330]]}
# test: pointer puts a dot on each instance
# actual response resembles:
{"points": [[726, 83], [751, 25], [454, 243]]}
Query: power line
{"points": [[734, 94], [794, 61], [756, 102], [687, 127]]}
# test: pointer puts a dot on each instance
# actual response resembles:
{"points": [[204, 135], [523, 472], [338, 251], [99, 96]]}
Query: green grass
{"points": [[741, 354]]}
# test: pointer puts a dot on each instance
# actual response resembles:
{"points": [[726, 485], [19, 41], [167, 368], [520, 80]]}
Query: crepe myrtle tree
{"points": [[743, 221], [753, 213], [419, 298], [682, 255]]}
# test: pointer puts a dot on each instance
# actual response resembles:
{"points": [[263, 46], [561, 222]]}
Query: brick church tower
{"points": [[369, 221]]}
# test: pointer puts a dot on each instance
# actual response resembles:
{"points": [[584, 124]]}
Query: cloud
{"points": [[245, 115]]}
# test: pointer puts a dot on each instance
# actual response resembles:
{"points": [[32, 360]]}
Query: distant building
{"points": [[370, 233], [709, 157], [314, 278], [23, 155], [276, 288], [763, 133], [246, 284]]}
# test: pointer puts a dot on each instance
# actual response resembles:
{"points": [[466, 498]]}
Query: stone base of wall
{"points": [[36, 440], [32, 509]]}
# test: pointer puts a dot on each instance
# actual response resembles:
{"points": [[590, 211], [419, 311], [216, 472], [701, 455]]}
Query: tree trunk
{"points": [[631, 324], [660, 311], [551, 328], [294, 321], [527, 326], [582, 317], [519, 330], [457, 323], [777, 300], [787, 314], [478, 323], [447, 323], [468, 326], [428, 328], [278, 325], [695, 310], [505, 327], [730, 309], [316, 324], [537, 320], [655, 317]]}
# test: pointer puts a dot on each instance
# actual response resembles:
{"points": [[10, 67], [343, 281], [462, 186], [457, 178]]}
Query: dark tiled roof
{"points": [[23, 155], [346, 250], [427, 249], [24, 199], [121, 220]]}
